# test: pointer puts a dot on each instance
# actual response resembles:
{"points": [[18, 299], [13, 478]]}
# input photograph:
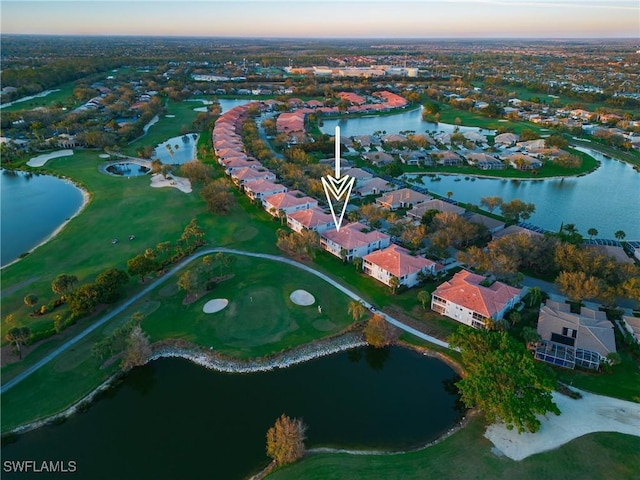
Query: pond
{"points": [[127, 169], [410, 120], [32, 207], [177, 150], [227, 104], [607, 199], [172, 419]]}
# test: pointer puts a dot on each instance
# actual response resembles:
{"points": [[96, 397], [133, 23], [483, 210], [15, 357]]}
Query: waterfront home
{"points": [[403, 198], [288, 202], [416, 157], [353, 240], [263, 188], [470, 299], [395, 261], [447, 158], [484, 161], [523, 162], [492, 224], [440, 205], [314, 219], [569, 339], [515, 230]]}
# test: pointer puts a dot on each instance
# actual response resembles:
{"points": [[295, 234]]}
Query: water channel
{"points": [[607, 199], [172, 419]]}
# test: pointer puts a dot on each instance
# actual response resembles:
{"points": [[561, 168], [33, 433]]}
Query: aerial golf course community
{"points": [[230, 290]]}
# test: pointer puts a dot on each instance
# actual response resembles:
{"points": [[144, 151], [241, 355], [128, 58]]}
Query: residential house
{"points": [[515, 230], [467, 299], [378, 158], [403, 198], [506, 139], [447, 158], [353, 240], [569, 339], [263, 188], [523, 162], [361, 176], [439, 205], [374, 186], [416, 157], [288, 203], [395, 261], [484, 161], [492, 224], [314, 219], [632, 324], [245, 175]]}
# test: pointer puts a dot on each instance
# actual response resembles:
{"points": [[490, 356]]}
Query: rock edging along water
{"points": [[214, 361]]}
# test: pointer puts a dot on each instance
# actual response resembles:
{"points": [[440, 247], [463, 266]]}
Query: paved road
{"points": [[120, 308]]}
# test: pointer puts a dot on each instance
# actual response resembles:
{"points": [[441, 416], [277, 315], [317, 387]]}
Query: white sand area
{"points": [[302, 297], [215, 305], [40, 160], [591, 413], [104, 155], [182, 184]]}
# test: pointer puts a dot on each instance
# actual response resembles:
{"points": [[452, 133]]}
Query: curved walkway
{"points": [[120, 308]]}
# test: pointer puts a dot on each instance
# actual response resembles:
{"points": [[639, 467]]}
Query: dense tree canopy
{"points": [[503, 379]]}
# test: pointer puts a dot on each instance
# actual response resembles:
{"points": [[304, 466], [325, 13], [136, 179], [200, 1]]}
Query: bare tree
{"points": [[285, 440]]}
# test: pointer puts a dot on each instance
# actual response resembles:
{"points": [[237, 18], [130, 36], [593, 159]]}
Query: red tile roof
{"points": [[397, 261], [464, 289], [352, 236], [311, 218]]}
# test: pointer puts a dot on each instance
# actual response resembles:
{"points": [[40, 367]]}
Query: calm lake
{"points": [[607, 199], [173, 419], [31, 208]]}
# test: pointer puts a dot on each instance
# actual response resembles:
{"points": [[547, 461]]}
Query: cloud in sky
{"points": [[314, 18]]}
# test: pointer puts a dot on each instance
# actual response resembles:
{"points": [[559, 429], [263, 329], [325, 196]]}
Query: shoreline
{"points": [[214, 361], [86, 198]]}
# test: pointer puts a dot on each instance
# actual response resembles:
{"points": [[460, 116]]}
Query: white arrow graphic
{"points": [[336, 187]]}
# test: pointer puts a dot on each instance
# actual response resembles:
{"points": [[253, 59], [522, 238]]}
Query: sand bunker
{"points": [[104, 155], [302, 297], [215, 305], [40, 160], [591, 413], [182, 184]]}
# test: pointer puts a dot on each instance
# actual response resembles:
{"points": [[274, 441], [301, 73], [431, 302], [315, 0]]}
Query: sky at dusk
{"points": [[348, 18]]}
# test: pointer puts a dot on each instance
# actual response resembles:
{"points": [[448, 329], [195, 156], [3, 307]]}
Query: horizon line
{"points": [[265, 37]]}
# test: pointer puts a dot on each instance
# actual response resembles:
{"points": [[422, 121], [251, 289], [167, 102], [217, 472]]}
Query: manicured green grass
{"points": [[166, 128], [623, 382], [64, 96], [260, 318], [467, 454], [448, 114], [120, 207]]}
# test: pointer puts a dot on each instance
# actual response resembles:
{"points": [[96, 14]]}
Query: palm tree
{"points": [[356, 310], [620, 235], [535, 295], [424, 298], [449, 194], [592, 232], [570, 228]]}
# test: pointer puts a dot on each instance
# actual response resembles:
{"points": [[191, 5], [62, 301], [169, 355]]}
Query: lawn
{"points": [[467, 454], [64, 96], [167, 127], [120, 207], [260, 318]]}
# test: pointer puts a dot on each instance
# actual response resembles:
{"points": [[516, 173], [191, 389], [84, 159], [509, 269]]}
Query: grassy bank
{"points": [[467, 454]]}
